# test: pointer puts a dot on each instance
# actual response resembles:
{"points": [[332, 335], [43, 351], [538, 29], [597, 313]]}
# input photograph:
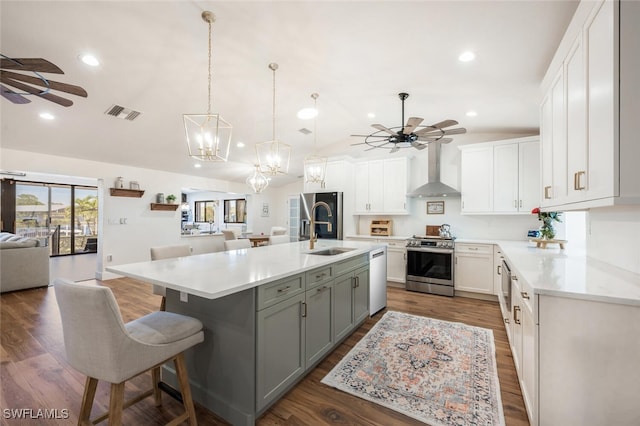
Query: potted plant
{"points": [[171, 198]]}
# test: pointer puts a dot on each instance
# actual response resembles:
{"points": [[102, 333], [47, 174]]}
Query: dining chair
{"points": [[278, 239], [167, 252], [229, 234], [243, 243], [278, 230], [101, 346]]}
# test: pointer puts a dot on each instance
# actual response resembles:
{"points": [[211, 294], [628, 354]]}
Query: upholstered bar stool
{"points": [[100, 345], [167, 252], [228, 234], [278, 239], [237, 244]]}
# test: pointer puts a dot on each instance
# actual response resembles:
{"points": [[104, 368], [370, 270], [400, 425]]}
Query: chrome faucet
{"points": [[313, 237]]}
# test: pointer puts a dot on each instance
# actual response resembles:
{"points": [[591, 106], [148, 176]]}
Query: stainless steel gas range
{"points": [[430, 265]]}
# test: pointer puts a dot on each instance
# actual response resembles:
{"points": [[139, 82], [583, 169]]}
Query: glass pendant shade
{"points": [[273, 157], [257, 181], [208, 136], [315, 168]]}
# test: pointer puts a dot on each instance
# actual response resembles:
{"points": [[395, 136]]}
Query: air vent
{"points": [[305, 131], [122, 112]]}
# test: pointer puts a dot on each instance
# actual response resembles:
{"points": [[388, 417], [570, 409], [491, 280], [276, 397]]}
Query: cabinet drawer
{"points": [[526, 293], [318, 275], [350, 264], [397, 244], [272, 293], [474, 248]]}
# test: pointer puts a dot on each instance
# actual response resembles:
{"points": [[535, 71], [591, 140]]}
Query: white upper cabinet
{"points": [[501, 177], [476, 167], [381, 186], [589, 115]]}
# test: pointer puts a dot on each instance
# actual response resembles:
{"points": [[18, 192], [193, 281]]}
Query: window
{"points": [[205, 211], [65, 216], [235, 211]]}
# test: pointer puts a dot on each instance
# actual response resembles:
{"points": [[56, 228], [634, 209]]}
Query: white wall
{"points": [[613, 234]]}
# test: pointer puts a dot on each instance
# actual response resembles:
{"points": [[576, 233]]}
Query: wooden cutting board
{"points": [[433, 230]]}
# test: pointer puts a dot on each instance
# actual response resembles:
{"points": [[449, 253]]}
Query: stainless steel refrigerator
{"points": [[334, 200]]}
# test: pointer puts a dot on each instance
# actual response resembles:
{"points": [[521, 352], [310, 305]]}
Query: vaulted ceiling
{"points": [[357, 55]]}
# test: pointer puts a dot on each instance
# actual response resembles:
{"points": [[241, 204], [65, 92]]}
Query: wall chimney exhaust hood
{"points": [[434, 188]]}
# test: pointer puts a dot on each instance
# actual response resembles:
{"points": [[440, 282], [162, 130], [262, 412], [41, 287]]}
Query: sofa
{"points": [[24, 263]]}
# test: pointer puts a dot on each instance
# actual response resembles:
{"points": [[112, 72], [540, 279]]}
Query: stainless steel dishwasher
{"points": [[377, 280]]}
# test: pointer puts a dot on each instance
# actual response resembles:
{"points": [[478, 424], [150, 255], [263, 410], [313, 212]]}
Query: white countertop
{"points": [[215, 275], [568, 273]]}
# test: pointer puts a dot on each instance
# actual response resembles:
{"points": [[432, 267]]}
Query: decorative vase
{"points": [[547, 232]]}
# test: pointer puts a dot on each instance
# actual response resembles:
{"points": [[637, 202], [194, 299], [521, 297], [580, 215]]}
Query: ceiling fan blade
{"points": [[26, 88], [445, 140], [445, 123], [29, 64], [418, 145], [412, 123], [428, 129], [12, 96], [429, 138], [55, 85], [384, 129], [458, 131]]}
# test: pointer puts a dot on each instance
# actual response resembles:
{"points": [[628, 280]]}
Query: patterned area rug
{"points": [[438, 372]]}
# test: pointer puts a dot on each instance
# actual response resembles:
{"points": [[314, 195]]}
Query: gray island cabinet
{"points": [[261, 339]]}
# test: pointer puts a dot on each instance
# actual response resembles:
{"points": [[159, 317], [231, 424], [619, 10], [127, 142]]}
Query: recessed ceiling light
{"points": [[240, 144], [197, 165], [467, 56], [90, 60], [46, 116], [307, 113], [471, 114], [371, 115]]}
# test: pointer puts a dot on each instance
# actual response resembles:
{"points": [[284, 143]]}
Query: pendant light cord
{"points": [[209, 70], [273, 66]]}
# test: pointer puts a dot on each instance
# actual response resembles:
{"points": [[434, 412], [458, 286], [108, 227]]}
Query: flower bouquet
{"points": [[546, 229]]}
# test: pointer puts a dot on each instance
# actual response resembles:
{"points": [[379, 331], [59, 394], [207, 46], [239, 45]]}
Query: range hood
{"points": [[434, 188]]}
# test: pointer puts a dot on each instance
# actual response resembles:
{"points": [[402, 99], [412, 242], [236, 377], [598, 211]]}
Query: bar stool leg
{"points": [[155, 377], [185, 389], [116, 404], [87, 401]]}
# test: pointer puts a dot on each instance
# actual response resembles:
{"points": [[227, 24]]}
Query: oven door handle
{"points": [[430, 250]]}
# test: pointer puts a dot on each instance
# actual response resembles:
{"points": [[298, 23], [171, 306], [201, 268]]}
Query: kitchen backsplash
{"points": [[501, 227]]}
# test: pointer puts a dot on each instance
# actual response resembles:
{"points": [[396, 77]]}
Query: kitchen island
{"points": [[270, 315]]}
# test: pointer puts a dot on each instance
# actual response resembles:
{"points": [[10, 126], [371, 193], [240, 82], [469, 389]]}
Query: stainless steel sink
{"points": [[331, 251]]}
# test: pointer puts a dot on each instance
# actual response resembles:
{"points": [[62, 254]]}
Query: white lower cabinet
{"points": [[474, 268], [396, 256], [523, 342]]}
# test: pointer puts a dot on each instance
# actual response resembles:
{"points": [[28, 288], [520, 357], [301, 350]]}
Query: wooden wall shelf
{"points": [[166, 207], [121, 192]]}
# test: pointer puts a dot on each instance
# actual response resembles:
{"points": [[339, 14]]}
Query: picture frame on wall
{"points": [[435, 207]]}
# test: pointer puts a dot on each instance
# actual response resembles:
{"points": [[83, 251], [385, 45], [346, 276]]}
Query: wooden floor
{"points": [[34, 374]]}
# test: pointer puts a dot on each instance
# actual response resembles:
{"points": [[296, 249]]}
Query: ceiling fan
{"points": [[412, 134], [21, 85]]}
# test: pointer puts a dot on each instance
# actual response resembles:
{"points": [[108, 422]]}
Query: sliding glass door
{"points": [[63, 216]]}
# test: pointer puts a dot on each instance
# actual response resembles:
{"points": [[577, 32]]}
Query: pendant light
{"points": [[315, 166], [257, 181], [273, 156], [208, 135]]}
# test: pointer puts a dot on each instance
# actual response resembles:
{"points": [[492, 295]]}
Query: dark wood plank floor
{"points": [[34, 374]]}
